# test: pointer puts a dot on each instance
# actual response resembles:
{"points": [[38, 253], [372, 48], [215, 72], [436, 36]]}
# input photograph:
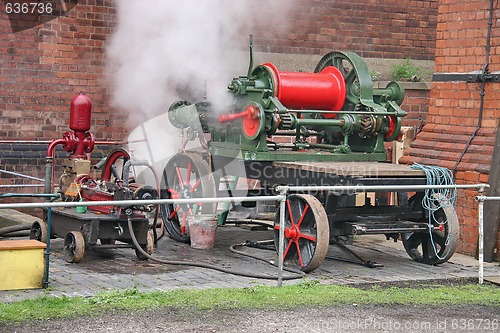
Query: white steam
{"points": [[162, 51]]}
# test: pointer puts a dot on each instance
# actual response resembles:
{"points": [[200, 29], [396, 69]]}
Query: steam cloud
{"points": [[162, 51]]}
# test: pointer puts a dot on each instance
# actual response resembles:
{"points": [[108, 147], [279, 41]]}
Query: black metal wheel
{"points": [[186, 176], [74, 246], [438, 244], [306, 232], [148, 248], [39, 231]]}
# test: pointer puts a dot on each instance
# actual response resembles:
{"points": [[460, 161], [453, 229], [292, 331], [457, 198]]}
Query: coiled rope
{"points": [[436, 199]]}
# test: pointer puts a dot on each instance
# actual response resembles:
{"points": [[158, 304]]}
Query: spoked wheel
{"points": [[306, 232], [438, 244], [74, 246], [186, 176], [356, 75], [39, 231], [113, 168]]}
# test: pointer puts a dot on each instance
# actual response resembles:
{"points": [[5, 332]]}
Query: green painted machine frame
{"points": [[357, 131]]}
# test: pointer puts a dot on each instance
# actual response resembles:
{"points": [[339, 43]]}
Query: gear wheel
{"points": [[286, 121], [367, 125]]}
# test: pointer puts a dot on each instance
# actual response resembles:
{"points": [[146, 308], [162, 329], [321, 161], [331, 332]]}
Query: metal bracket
{"points": [[467, 77]]}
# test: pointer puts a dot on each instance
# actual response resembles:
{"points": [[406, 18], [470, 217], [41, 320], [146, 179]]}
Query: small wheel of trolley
{"points": [[74, 246], [306, 232], [438, 244], [39, 231], [148, 247], [186, 176]]}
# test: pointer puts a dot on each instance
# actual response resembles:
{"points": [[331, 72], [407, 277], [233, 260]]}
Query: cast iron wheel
{"points": [[439, 244], [306, 232], [74, 246], [148, 247], [186, 176], [39, 231], [356, 75]]}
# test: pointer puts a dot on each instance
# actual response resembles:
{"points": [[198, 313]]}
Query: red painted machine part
{"points": [[112, 158], [251, 122], [392, 126], [80, 113], [90, 193], [310, 91], [251, 119]]}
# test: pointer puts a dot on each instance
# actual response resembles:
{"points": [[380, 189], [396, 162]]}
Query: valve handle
{"points": [[249, 112]]}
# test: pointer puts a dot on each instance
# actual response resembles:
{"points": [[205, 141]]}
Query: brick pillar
{"points": [[454, 115]]}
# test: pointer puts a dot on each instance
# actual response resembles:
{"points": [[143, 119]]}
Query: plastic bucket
{"points": [[202, 231]]}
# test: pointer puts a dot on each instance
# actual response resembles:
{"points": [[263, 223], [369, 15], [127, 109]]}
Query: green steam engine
{"points": [[334, 124]]}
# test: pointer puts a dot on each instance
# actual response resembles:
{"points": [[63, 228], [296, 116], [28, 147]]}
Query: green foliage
{"points": [[406, 71], [306, 293], [374, 74]]}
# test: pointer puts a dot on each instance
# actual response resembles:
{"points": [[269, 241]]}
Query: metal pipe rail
{"points": [[121, 203], [283, 190], [281, 197], [385, 188], [481, 199]]}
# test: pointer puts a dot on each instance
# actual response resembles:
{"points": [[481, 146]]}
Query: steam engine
{"points": [[333, 114]]}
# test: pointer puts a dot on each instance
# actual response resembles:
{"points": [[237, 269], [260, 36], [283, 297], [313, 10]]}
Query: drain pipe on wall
{"points": [[482, 77]]}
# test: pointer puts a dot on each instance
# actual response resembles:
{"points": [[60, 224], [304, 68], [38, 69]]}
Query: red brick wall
{"points": [[44, 66], [454, 106], [45, 60], [372, 28]]}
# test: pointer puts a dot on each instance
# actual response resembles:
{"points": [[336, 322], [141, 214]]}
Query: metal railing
{"points": [[22, 176], [281, 197]]}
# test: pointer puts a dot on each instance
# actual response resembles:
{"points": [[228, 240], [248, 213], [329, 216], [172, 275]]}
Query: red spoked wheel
{"points": [[307, 232], [186, 176]]}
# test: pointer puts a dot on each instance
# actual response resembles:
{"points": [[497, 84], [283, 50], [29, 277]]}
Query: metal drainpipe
{"points": [[482, 77], [49, 170]]}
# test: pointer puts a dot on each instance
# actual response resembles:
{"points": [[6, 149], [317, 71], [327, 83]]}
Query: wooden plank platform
{"points": [[354, 169], [493, 279]]}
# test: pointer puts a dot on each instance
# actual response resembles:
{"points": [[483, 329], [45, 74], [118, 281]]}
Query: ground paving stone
{"points": [[119, 269]]}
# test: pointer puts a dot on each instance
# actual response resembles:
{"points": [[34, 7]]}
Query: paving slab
{"points": [[103, 270]]}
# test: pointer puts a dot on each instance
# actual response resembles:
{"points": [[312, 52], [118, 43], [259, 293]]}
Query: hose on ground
{"points": [[18, 230], [298, 274]]}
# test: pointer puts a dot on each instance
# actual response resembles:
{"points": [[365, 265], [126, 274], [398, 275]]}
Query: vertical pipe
{"points": [[45, 283], [481, 239], [48, 175], [281, 247]]}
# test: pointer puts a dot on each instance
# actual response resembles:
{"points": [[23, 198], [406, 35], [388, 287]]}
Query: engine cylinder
{"points": [[80, 113]]}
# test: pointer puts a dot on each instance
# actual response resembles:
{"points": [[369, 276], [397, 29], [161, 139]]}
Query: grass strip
{"points": [[259, 297]]}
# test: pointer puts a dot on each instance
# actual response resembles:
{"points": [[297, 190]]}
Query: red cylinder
{"points": [[314, 91], [80, 113]]}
